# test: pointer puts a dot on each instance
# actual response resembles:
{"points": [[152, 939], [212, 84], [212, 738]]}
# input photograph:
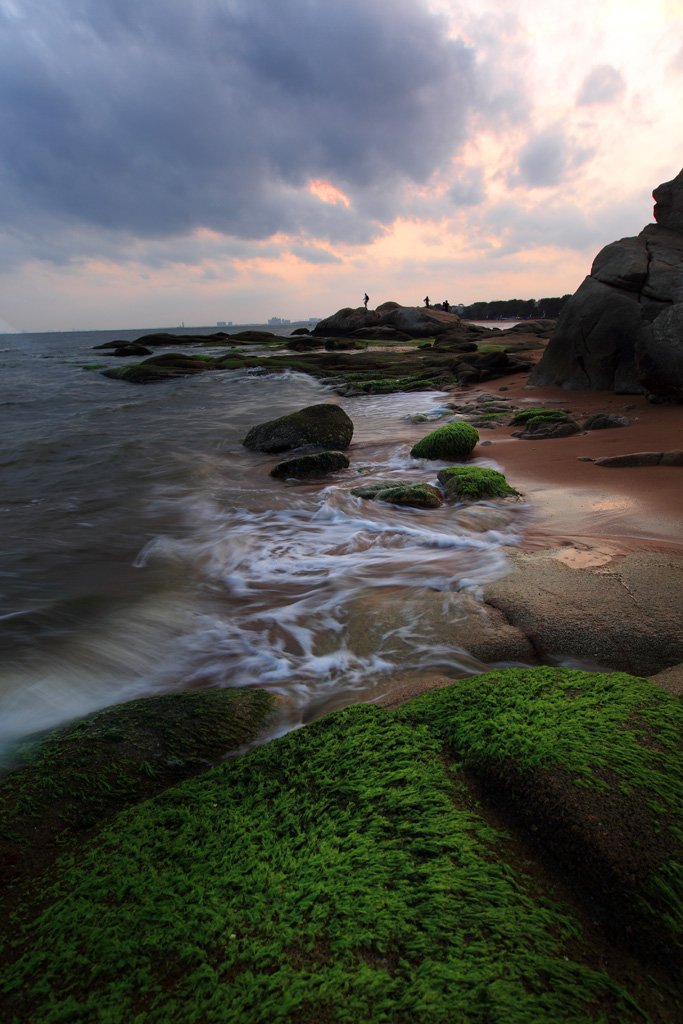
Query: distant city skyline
{"points": [[164, 163]]}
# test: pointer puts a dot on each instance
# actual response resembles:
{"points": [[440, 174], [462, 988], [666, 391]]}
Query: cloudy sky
{"points": [[179, 161]]}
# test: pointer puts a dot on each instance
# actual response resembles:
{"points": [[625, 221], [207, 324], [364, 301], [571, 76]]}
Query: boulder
{"points": [[601, 421], [621, 331], [325, 426]]}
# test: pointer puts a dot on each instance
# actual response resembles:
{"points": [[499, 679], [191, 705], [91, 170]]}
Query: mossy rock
{"points": [[345, 871], [540, 415], [473, 483], [452, 441], [306, 466], [163, 367], [326, 426], [67, 780]]}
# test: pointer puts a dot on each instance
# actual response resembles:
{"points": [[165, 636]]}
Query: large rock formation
{"points": [[413, 321], [623, 329]]}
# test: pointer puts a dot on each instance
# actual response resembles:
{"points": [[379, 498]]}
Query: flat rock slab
{"points": [[671, 458], [622, 616]]}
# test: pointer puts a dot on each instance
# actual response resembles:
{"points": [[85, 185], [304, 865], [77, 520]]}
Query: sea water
{"points": [[144, 550]]}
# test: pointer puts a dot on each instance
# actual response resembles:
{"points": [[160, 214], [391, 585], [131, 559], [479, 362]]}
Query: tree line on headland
{"points": [[514, 309]]}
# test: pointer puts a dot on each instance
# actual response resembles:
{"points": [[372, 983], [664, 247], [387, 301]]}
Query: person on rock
{"points": [[366, 299], [427, 301], [446, 306]]}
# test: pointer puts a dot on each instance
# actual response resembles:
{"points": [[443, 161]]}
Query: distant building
{"points": [[314, 320], [275, 320], [221, 323]]}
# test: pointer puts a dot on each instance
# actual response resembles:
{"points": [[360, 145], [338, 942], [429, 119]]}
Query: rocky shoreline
{"points": [[503, 847]]}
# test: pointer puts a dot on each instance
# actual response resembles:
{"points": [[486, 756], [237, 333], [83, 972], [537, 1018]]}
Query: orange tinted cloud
{"points": [[326, 191]]}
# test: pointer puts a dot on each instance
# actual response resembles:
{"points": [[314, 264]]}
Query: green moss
{"points": [[339, 873], [452, 441], [472, 483], [526, 730]]}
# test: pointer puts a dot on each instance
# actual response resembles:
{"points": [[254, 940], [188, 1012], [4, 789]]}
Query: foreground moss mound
{"points": [[472, 483], [69, 779], [344, 872], [452, 441]]}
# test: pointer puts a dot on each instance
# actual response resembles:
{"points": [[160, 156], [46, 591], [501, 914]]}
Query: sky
{"points": [[234, 160]]}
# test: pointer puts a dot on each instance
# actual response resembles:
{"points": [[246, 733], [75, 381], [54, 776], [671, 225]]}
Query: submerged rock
{"points": [[315, 465], [325, 426], [401, 492], [671, 458]]}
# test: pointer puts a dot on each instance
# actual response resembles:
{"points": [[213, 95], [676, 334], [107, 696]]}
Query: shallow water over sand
{"points": [[144, 550]]}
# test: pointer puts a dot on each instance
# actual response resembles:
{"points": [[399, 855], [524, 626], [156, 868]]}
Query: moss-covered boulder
{"points": [[325, 426], [452, 441], [400, 492], [318, 464], [67, 780], [473, 483], [378, 867]]}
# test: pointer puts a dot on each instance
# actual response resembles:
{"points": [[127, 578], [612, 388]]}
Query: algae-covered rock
{"points": [[452, 441], [472, 483], [68, 779], [326, 426], [346, 871], [318, 464], [539, 424]]}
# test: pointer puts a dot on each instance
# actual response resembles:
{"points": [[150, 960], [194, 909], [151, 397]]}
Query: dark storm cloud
{"points": [[604, 84], [547, 159], [153, 119]]}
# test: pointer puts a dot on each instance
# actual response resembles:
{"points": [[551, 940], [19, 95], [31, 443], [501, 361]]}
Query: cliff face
{"points": [[623, 329]]}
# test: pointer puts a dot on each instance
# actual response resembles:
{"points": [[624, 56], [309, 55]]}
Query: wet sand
{"points": [[593, 508]]}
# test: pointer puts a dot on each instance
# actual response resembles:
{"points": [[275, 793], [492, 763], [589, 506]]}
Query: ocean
{"points": [[144, 550]]}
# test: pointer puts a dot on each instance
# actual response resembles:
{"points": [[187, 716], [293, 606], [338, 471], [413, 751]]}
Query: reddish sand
{"points": [[591, 507]]}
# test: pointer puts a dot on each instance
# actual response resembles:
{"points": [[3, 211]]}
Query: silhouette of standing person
{"points": [[366, 299], [427, 301]]}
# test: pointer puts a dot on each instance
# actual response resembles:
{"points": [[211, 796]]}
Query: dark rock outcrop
{"points": [[602, 421], [671, 458], [623, 329], [412, 321], [400, 492], [325, 426]]}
